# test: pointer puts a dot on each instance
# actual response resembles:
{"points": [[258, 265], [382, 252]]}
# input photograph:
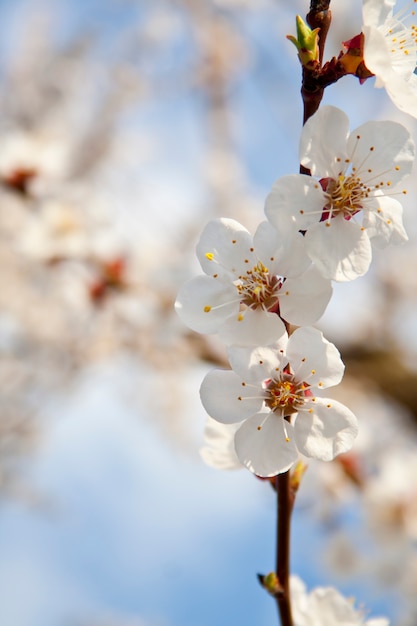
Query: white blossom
{"points": [[390, 495], [325, 606], [349, 201], [272, 391], [390, 50], [248, 280], [40, 157]]}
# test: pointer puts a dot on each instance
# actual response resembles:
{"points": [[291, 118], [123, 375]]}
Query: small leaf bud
{"points": [[271, 583], [306, 42]]}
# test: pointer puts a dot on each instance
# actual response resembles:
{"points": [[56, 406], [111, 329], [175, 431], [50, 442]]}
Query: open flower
{"points": [[248, 281], [272, 391], [390, 50], [325, 606], [352, 203]]}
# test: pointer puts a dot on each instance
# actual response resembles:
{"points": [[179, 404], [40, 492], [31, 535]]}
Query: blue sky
{"points": [[132, 527]]}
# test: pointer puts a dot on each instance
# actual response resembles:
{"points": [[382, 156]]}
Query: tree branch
{"points": [[285, 501]]}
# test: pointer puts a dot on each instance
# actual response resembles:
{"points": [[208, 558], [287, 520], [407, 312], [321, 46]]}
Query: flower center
{"points": [[285, 395], [344, 196], [259, 288]]}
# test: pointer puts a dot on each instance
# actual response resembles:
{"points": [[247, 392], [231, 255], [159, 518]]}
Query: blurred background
{"points": [[125, 125]]}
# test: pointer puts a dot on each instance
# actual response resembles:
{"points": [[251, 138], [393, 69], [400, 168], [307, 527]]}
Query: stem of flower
{"points": [[312, 92], [285, 501]]}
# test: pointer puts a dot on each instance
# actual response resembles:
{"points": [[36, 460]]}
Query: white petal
{"points": [[266, 452], [327, 431], [376, 55], [295, 202], [204, 303], [260, 363], [220, 392], [313, 359], [224, 247], [303, 300], [252, 328], [331, 608], [341, 251], [283, 255], [219, 445], [375, 12], [386, 225], [323, 141], [384, 152], [403, 93], [398, 78]]}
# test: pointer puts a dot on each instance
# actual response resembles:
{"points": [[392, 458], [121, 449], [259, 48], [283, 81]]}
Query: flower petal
{"points": [[268, 450], [313, 359], [340, 248], [283, 255], [376, 52], [332, 608], [303, 300], [375, 12], [403, 93], [228, 399], [219, 445], [252, 328], [328, 430], [385, 225], [382, 151], [260, 363], [385, 55], [224, 247], [204, 303], [323, 141], [295, 202]]}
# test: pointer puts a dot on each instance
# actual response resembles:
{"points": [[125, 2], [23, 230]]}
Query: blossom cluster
{"points": [[262, 294]]}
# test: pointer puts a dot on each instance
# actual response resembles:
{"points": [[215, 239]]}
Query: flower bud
{"points": [[351, 58]]}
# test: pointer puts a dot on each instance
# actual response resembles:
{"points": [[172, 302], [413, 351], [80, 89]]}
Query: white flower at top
{"points": [[272, 391], [325, 606], [390, 50], [248, 281], [349, 201]]}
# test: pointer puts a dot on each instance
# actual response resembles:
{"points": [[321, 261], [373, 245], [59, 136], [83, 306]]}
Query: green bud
{"points": [[306, 42], [271, 583]]}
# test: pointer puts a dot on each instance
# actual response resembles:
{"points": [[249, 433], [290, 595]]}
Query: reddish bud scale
{"points": [[112, 277]]}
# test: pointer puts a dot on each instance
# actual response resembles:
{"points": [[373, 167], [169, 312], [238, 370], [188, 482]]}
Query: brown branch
{"points": [[285, 501], [320, 16]]}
